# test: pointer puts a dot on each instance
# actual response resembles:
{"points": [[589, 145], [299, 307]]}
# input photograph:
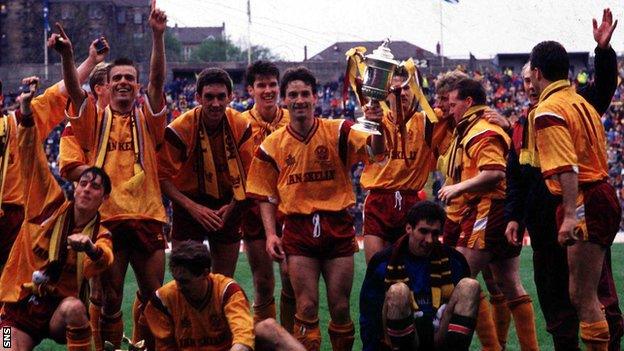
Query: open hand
{"points": [[602, 33]]}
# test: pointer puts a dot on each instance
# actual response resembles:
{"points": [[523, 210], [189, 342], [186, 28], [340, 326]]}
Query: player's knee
{"points": [[307, 308], [73, 311], [578, 296], [398, 301], [467, 293]]}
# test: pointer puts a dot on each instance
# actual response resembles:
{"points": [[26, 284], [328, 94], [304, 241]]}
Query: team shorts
{"points": [[31, 316], [321, 235], [451, 232], [598, 215], [385, 212], [185, 227], [10, 224], [483, 228], [137, 234], [251, 222]]}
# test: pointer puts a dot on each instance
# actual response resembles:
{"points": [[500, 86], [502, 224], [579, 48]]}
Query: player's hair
{"points": [[298, 73], [400, 71], [192, 256], [213, 75], [99, 76], [95, 172], [261, 68], [526, 67], [469, 87], [447, 81], [428, 211], [123, 61], [551, 58]]}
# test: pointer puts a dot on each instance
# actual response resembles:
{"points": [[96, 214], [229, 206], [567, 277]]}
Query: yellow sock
{"points": [[308, 333], [341, 336], [502, 317], [595, 335], [78, 338], [95, 310], [524, 320], [485, 327], [264, 311]]}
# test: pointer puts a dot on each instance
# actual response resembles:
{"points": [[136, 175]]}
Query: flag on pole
{"points": [[46, 15]]}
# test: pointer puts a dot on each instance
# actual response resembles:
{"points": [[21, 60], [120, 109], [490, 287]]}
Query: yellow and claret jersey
{"points": [[410, 150], [310, 173], [477, 145], [71, 154], [49, 110], [126, 201], [570, 136], [179, 159], [260, 129], [13, 192], [45, 205], [222, 320]]}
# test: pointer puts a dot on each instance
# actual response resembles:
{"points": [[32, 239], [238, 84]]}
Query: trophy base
{"points": [[366, 126]]}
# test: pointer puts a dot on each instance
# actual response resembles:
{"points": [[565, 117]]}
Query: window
{"points": [[95, 12], [138, 17]]}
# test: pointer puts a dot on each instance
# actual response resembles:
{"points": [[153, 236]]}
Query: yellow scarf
{"points": [[266, 128], [528, 154], [57, 253], [4, 154], [137, 142], [209, 182], [451, 162]]}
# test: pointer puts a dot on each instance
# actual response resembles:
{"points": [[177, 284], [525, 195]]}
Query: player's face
{"points": [[300, 100], [422, 237], [89, 192], [214, 99], [534, 77], [265, 91], [529, 89], [186, 281], [407, 96], [123, 84], [103, 93], [457, 106], [442, 102]]}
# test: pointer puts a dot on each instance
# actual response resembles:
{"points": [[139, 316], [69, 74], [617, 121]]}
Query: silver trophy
{"points": [[376, 82]]}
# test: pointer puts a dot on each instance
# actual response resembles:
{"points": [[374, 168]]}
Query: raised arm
{"points": [[155, 87], [600, 91], [61, 43]]}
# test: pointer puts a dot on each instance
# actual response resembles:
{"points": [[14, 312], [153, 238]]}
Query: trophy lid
{"points": [[383, 53]]}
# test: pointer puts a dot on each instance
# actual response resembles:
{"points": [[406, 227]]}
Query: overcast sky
{"points": [[482, 27]]}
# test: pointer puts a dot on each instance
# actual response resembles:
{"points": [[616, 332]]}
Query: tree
{"points": [[173, 46], [212, 50]]}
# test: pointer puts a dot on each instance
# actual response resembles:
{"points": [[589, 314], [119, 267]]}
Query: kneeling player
{"points": [[202, 310], [44, 286], [417, 294]]}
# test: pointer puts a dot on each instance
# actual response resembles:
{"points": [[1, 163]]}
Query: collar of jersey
{"points": [[552, 88]]}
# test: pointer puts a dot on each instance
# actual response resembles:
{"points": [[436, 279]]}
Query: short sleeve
{"points": [[262, 178], [489, 149], [554, 145]]}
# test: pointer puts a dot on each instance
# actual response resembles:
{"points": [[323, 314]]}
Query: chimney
{"points": [[305, 52]]}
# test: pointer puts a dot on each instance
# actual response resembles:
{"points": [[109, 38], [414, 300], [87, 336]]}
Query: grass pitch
{"points": [[243, 276]]}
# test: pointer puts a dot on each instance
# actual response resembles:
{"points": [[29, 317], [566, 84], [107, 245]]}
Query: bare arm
{"points": [[62, 44], [155, 88], [484, 181], [273, 242]]}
